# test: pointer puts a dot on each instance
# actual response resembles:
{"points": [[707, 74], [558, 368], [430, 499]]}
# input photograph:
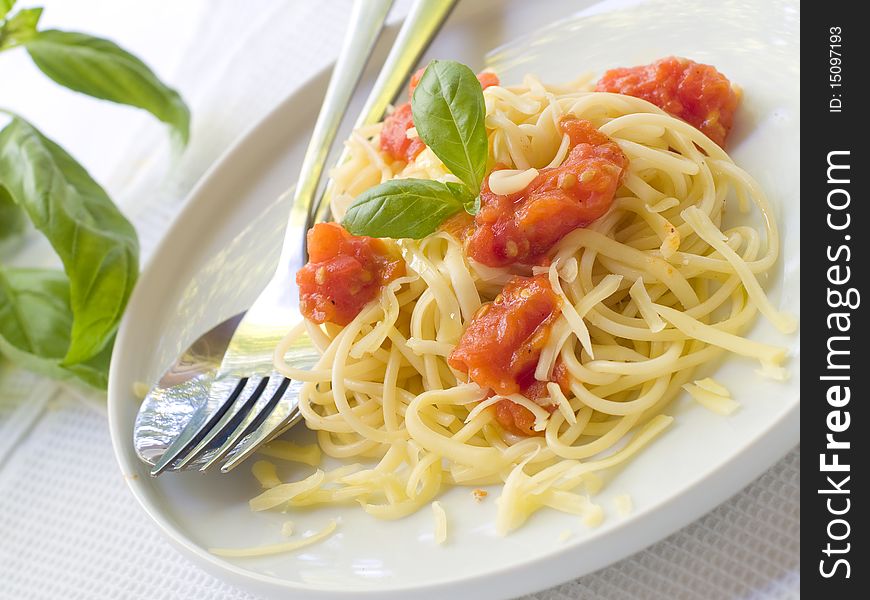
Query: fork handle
{"points": [[422, 23], [367, 18]]}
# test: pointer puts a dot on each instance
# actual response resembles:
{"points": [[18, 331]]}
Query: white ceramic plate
{"points": [[224, 245]]}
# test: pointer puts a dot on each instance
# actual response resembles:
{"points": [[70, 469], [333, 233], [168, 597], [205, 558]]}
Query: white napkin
{"points": [[68, 526]]}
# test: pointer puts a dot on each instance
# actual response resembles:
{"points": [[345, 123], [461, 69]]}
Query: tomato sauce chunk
{"points": [[501, 345], [517, 418], [394, 139], [522, 227], [486, 79], [343, 274], [696, 93]]}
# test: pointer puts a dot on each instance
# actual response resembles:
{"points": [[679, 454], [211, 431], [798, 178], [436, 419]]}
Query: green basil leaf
{"points": [[449, 114], [20, 27], [96, 244], [405, 208], [12, 218], [100, 68], [5, 7], [473, 207], [35, 321]]}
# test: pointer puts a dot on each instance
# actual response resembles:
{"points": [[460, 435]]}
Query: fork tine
{"points": [[227, 423], [252, 420], [200, 423], [270, 422]]}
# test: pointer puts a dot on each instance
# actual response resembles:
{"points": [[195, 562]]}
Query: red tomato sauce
{"points": [[343, 274], [519, 419], [394, 139], [522, 227], [501, 346], [696, 93]]}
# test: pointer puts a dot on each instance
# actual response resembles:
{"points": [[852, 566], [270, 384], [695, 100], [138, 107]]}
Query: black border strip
{"points": [[834, 177]]}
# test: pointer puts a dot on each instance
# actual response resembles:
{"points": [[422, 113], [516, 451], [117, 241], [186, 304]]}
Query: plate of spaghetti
{"points": [[556, 307]]}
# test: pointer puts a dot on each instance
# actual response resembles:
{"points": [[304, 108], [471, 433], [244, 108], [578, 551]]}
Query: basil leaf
{"points": [[35, 319], [473, 207], [100, 68], [19, 28], [5, 7], [449, 112], [12, 218], [405, 208], [96, 244]]}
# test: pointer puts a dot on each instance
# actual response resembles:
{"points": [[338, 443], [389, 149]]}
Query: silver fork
{"points": [[248, 401]]}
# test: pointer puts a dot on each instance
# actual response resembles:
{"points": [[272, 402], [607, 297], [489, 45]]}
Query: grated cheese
{"points": [[440, 522], [276, 548], [309, 454], [623, 504], [266, 474]]}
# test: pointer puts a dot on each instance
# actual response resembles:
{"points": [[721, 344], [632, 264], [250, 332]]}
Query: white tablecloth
{"points": [[68, 526]]}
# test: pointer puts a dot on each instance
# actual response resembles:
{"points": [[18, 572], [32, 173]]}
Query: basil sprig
{"points": [[449, 112], [71, 59], [62, 323], [405, 208], [18, 28], [96, 244], [93, 66]]}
